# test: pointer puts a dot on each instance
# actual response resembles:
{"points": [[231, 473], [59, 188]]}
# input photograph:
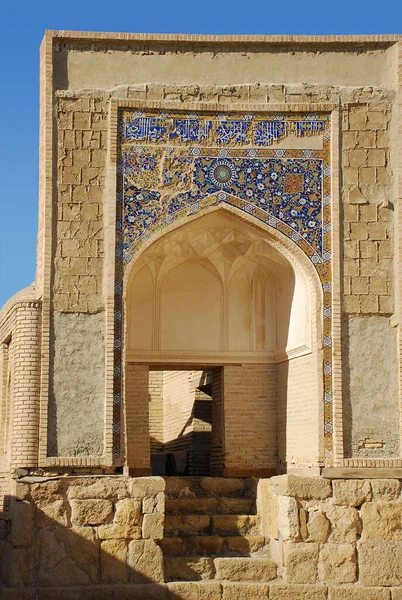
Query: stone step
{"points": [[223, 525], [212, 487], [213, 545], [201, 568], [245, 569], [195, 590], [189, 568], [222, 505], [226, 525]]}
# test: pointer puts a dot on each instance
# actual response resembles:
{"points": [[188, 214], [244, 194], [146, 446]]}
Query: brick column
{"points": [[138, 451], [250, 420], [25, 399]]}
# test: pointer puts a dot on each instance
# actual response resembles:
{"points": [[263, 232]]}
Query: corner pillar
{"points": [[25, 393]]}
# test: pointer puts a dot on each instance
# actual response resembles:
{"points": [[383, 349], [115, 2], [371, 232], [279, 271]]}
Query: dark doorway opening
{"points": [[185, 418]]}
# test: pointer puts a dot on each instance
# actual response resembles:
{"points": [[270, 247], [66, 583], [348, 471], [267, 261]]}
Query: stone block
{"points": [[90, 512], [376, 120], [382, 521], [357, 158], [308, 488], [367, 139], [221, 486], [209, 545], [338, 563], [297, 592], [351, 492], [239, 506], [303, 523], [349, 140], [244, 591], [145, 560], [46, 492], [376, 158], [154, 504], [54, 512], [300, 561], [358, 231], [369, 304], [380, 563], [192, 505], [358, 593], [128, 512], [288, 518], [318, 527], [367, 176], [18, 566], [176, 546], [115, 532], [346, 524], [355, 194], [245, 569], [350, 175], [140, 487], [188, 568], [206, 590], [385, 489], [21, 523], [383, 175], [235, 524], [377, 231], [67, 557], [114, 561], [152, 526], [195, 524], [357, 118], [245, 545]]}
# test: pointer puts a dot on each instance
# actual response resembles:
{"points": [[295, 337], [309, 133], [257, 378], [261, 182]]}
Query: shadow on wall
{"points": [[50, 556]]}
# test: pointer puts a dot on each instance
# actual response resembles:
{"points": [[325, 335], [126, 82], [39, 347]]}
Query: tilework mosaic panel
{"points": [[172, 165]]}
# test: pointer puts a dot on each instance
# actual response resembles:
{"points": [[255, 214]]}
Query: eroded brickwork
{"points": [[82, 145]]}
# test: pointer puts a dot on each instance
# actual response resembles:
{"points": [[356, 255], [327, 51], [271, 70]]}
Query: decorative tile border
{"points": [[173, 164]]}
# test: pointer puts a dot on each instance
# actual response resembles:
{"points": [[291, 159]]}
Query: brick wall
{"points": [[156, 410], [218, 426], [137, 419], [250, 419], [298, 404], [25, 397]]}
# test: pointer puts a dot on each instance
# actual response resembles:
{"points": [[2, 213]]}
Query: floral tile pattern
{"points": [[173, 165]]}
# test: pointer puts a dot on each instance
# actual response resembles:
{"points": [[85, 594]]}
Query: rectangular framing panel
{"points": [[332, 371]]}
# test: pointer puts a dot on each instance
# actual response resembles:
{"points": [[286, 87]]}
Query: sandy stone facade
{"points": [[218, 294]]}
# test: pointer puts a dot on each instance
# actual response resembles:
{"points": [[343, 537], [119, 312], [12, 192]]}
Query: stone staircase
{"points": [[212, 532]]}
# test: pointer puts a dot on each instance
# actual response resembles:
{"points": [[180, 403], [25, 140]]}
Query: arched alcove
{"points": [[217, 291]]}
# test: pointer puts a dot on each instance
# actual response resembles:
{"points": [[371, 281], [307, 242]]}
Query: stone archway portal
{"points": [[174, 166]]}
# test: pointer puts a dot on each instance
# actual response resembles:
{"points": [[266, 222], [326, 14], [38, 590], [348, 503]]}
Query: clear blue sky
{"points": [[23, 24]]}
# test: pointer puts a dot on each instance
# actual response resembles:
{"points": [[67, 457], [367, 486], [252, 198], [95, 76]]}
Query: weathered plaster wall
{"points": [[222, 64], [77, 392], [371, 406]]}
